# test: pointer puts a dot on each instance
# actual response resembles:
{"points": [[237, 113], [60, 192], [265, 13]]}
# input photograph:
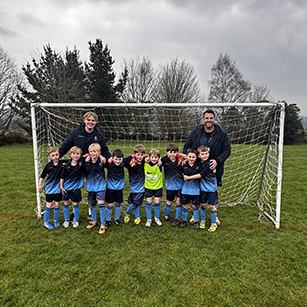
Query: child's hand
{"points": [[146, 159], [214, 171], [88, 158], [160, 162], [86, 155], [63, 191], [40, 189], [103, 159], [110, 160], [185, 177]]}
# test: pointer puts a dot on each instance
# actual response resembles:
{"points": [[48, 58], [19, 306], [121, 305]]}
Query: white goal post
{"points": [[252, 174]]}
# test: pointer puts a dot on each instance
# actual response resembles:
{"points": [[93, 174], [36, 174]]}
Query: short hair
{"points": [[154, 152], [52, 149], [75, 149], [172, 147], [209, 111], [192, 150], [90, 113], [94, 147], [203, 148], [118, 153], [139, 149]]}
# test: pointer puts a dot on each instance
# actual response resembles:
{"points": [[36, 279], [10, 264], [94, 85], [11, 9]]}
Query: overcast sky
{"points": [[266, 38]]}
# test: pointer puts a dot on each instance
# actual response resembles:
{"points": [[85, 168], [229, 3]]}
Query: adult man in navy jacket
{"points": [[211, 135]]}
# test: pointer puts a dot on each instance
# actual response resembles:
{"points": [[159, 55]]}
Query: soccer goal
{"points": [[253, 172]]}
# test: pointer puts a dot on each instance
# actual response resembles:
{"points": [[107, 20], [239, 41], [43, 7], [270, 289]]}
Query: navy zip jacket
{"points": [[79, 137], [218, 143]]}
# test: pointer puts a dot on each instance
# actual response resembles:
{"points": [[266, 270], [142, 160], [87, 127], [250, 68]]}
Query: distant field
{"points": [[242, 264]]}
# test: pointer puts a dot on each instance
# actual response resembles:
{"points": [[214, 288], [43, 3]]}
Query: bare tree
{"points": [[227, 84], [260, 92], [140, 82], [9, 78]]}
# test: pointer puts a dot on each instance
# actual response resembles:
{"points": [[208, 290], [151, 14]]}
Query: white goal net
{"points": [[252, 174]]}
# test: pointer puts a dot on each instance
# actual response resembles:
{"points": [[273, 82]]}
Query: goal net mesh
{"points": [[250, 173]]}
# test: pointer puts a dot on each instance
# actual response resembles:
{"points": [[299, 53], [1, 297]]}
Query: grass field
{"points": [[242, 264]]}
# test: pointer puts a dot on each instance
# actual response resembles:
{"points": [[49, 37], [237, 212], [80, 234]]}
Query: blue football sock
{"points": [[102, 209], [203, 213], [66, 212], [131, 208], [57, 212], [157, 210], [137, 212], [196, 216], [76, 212], [148, 210], [167, 209], [47, 214], [94, 213], [213, 216], [178, 212], [185, 212], [109, 213], [118, 210]]}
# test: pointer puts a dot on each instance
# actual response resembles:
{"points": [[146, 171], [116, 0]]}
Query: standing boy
{"points": [[153, 186], [115, 186], [96, 185], [71, 182], [172, 164], [52, 187], [135, 167]]}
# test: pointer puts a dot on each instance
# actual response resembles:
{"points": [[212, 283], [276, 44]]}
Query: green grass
{"points": [[242, 264]]}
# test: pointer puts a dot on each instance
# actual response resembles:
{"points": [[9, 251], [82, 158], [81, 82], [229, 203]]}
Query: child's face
{"points": [[154, 159], [75, 156], [172, 154], [139, 156], [204, 155], [54, 156], [191, 158], [117, 161], [94, 154]]}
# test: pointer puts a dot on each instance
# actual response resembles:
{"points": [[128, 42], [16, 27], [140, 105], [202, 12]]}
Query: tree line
{"points": [[62, 77]]}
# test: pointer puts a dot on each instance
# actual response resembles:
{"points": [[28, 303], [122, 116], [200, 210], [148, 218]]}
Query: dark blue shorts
{"points": [[170, 195], [73, 195], [114, 196], [209, 197], [190, 199], [53, 197], [136, 199], [92, 195], [155, 193]]}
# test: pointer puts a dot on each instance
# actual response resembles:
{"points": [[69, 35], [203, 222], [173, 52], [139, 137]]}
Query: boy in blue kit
{"points": [[115, 186], [153, 186], [71, 182], [190, 189], [135, 167], [52, 187], [96, 185], [208, 188], [172, 164]]}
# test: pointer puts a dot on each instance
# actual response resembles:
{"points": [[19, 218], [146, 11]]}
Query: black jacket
{"points": [[79, 137], [219, 145]]}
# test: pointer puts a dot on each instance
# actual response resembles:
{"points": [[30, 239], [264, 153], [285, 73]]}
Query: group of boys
{"points": [[188, 180]]}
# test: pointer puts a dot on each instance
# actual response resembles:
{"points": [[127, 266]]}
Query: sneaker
{"points": [[126, 218], [117, 222], [137, 221], [202, 225], [108, 224], [212, 228], [56, 224], [91, 225], [71, 218], [218, 223], [196, 225], [66, 224], [75, 224], [48, 225], [102, 229], [175, 222], [148, 223], [89, 217], [158, 222], [169, 218], [184, 223], [192, 220]]}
